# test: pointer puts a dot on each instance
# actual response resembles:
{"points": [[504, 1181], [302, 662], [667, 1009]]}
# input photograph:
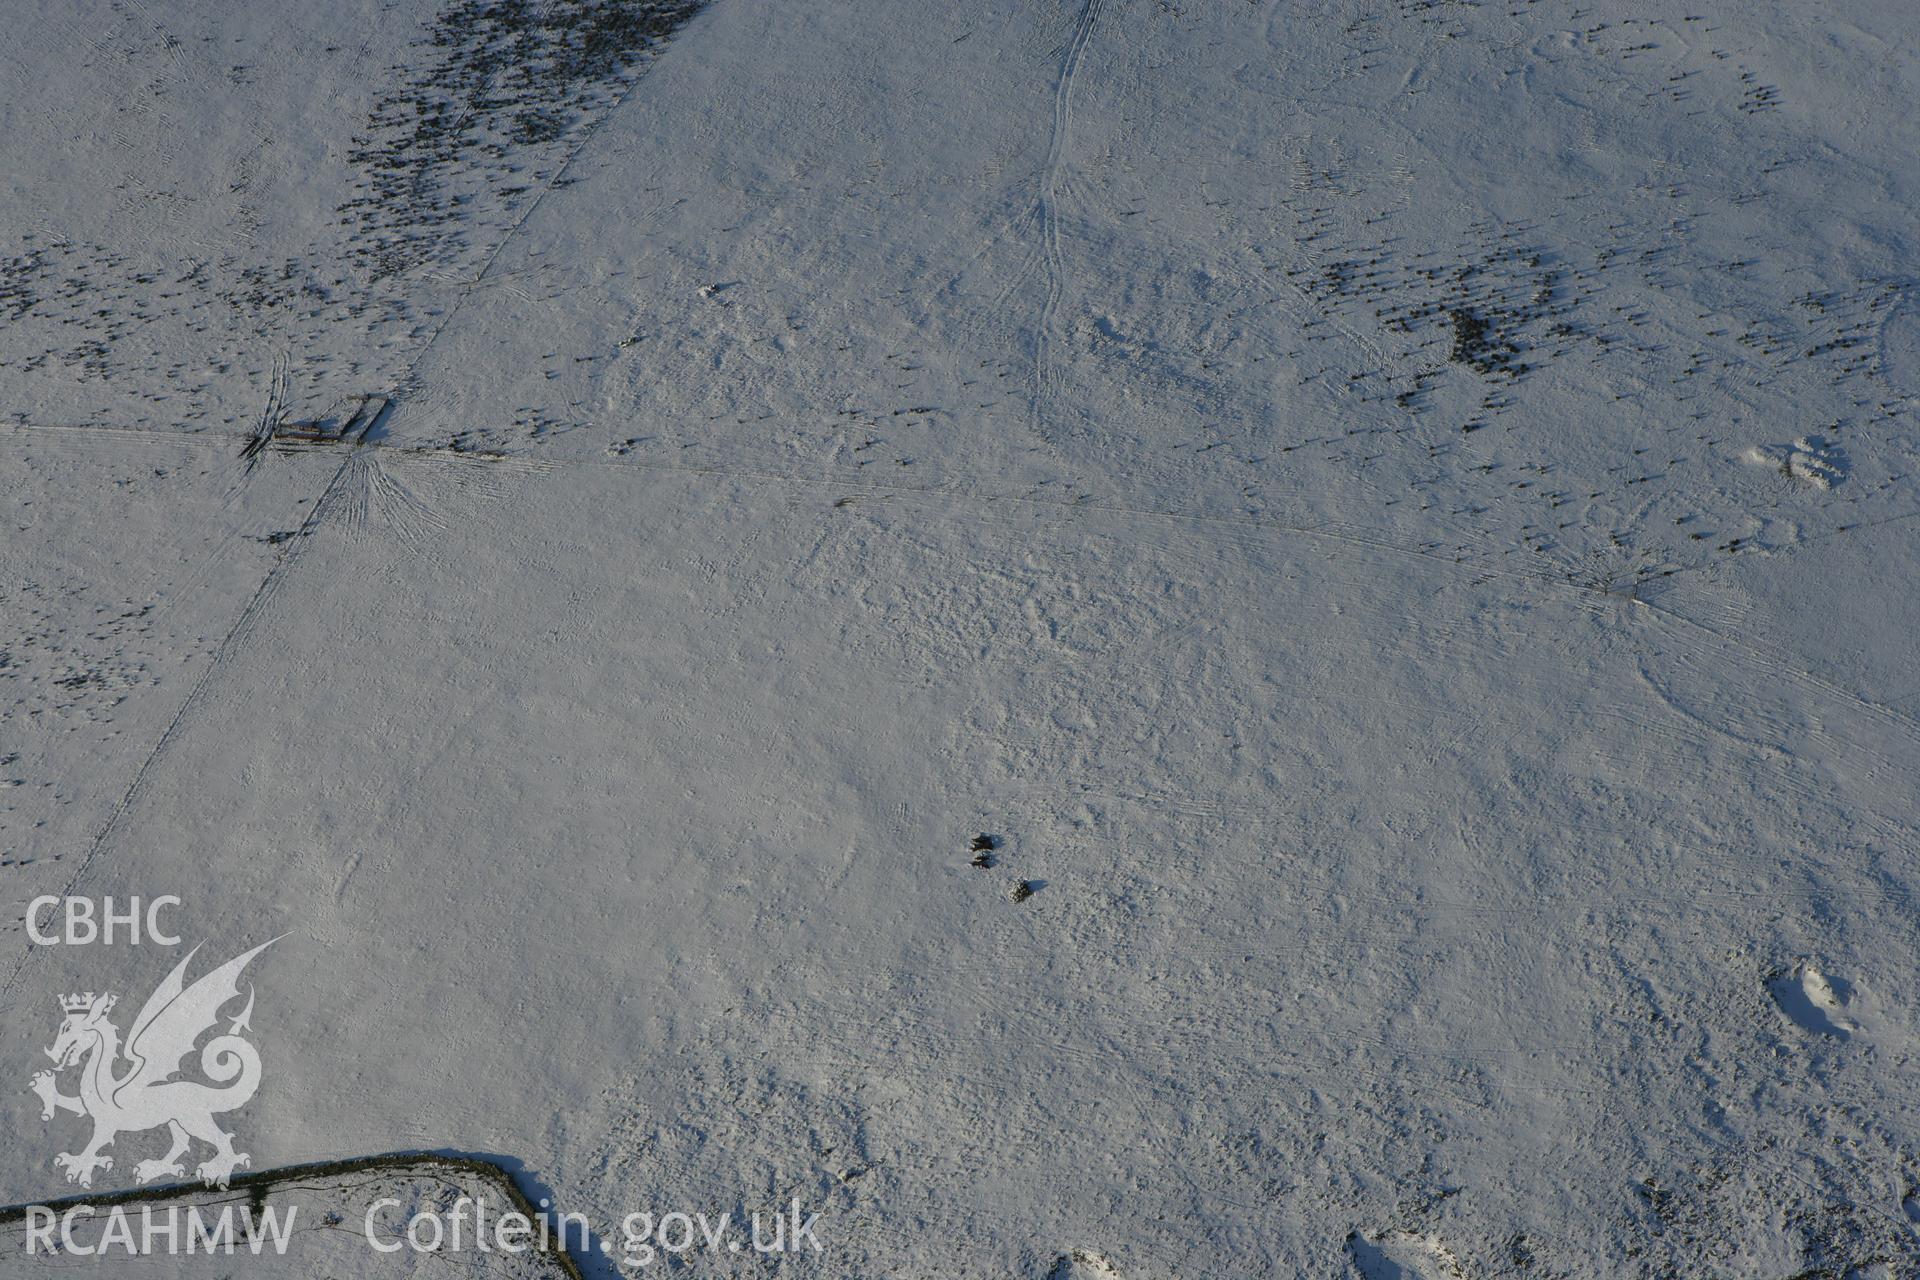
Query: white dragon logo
{"points": [[145, 1095]]}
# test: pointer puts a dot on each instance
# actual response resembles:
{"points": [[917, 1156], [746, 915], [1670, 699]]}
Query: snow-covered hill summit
{"points": [[1120, 639]]}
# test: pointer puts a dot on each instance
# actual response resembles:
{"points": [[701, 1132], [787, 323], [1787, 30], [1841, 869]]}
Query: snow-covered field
{"points": [[1115, 639]]}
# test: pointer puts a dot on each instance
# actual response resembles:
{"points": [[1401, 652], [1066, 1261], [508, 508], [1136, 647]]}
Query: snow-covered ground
{"points": [[1395, 520]]}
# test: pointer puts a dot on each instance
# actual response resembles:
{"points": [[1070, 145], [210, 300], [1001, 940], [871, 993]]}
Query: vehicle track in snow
{"points": [[1052, 180]]}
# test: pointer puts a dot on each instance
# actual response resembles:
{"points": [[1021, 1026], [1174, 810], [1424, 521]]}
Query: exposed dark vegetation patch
{"points": [[1827, 1209], [507, 74], [1493, 308], [1475, 344], [16, 282], [50, 675], [480, 121]]}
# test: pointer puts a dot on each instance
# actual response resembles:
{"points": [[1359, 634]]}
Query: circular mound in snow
{"points": [[1900, 347]]}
